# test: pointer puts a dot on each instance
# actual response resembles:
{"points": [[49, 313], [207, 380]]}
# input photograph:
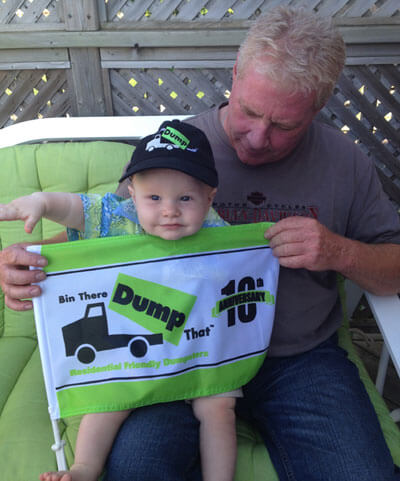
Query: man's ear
{"points": [[234, 71]]}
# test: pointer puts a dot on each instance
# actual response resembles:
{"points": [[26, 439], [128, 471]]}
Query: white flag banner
{"points": [[135, 320]]}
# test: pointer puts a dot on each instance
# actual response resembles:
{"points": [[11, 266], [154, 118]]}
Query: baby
{"points": [[173, 182]]}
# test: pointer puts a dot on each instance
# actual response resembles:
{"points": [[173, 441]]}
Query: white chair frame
{"points": [[386, 309]]}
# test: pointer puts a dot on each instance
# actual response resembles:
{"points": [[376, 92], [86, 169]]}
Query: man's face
{"points": [[264, 123]]}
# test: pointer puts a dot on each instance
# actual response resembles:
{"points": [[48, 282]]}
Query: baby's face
{"points": [[169, 203]]}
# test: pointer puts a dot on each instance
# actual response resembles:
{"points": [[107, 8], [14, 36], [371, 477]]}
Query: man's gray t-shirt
{"points": [[327, 178]]}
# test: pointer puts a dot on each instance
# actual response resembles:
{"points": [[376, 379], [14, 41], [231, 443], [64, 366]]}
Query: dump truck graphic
{"points": [[157, 144], [89, 334]]}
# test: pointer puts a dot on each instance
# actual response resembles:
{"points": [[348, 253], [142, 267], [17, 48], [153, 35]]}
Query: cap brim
{"points": [[197, 171]]}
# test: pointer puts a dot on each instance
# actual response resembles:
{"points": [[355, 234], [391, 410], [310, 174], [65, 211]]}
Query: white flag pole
{"points": [[58, 446]]}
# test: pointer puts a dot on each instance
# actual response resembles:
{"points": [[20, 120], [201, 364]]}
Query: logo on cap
{"points": [[178, 140]]}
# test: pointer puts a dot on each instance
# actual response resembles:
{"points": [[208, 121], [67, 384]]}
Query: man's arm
{"points": [[300, 242]]}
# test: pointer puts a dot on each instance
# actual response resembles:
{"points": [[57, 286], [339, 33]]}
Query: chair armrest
{"points": [[82, 128], [386, 311]]}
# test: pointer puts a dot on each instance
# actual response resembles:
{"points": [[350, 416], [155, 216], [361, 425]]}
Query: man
{"points": [[276, 163]]}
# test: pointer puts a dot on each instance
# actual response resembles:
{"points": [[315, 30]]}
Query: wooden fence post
{"points": [[88, 83]]}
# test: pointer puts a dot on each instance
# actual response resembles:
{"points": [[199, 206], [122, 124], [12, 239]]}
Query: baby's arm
{"points": [[96, 435], [63, 208]]}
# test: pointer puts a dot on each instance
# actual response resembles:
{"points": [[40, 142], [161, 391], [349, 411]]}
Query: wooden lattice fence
{"points": [[137, 57], [366, 106]]}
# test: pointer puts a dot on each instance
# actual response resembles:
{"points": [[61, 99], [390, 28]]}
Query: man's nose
{"points": [[259, 136]]}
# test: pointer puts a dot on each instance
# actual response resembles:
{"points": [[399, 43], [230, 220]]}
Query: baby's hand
{"points": [[29, 208]]}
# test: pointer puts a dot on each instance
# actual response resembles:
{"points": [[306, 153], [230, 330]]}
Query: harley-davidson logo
{"points": [[256, 198]]}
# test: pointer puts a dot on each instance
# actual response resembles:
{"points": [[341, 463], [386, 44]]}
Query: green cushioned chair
{"points": [[25, 429]]}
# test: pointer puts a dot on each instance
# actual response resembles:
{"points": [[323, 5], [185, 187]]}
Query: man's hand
{"points": [[301, 242], [29, 208], [16, 278]]}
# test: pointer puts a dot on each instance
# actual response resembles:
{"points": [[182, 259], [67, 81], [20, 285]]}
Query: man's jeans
{"points": [[311, 410]]}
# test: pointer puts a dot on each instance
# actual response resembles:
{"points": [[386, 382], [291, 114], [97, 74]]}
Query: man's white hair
{"points": [[296, 49]]}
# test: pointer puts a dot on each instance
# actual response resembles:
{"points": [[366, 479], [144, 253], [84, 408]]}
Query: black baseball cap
{"points": [[179, 146]]}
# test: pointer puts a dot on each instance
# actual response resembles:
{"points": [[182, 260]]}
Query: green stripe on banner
{"points": [[117, 396], [150, 247]]}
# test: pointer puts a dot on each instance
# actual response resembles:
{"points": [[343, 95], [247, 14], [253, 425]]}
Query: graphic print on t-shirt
{"points": [[259, 208]]}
